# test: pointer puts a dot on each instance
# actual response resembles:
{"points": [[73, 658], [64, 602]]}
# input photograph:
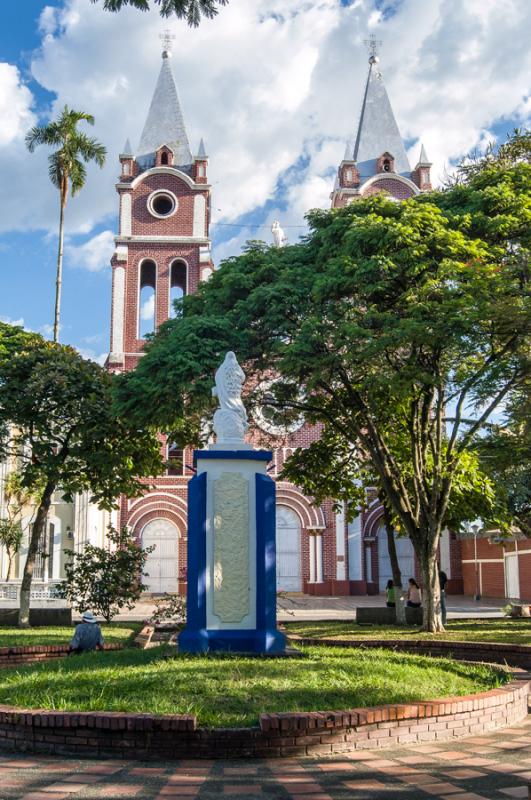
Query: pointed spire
{"points": [[128, 150], [201, 151], [165, 121], [377, 129], [423, 160]]}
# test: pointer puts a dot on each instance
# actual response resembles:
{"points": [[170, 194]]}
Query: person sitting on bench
{"points": [[87, 635], [413, 594]]}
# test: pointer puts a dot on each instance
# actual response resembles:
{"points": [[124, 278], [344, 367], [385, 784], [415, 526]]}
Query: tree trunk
{"points": [[431, 595], [36, 529], [59, 275], [400, 610], [9, 565]]}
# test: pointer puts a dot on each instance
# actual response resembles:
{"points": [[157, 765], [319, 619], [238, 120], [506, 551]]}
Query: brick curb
{"points": [[515, 655], [119, 735], [29, 654]]}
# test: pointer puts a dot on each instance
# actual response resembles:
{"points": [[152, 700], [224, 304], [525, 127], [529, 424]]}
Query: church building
{"points": [[162, 253]]}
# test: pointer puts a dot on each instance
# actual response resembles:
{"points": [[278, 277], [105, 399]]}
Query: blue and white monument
{"points": [[231, 601]]}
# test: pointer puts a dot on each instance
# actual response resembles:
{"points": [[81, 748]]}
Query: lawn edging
{"points": [[29, 654], [145, 736], [515, 655]]}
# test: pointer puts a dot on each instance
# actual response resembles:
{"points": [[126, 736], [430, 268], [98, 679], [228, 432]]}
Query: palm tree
{"points": [[190, 10], [67, 171]]}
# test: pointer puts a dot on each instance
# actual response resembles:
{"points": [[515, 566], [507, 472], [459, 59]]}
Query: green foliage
{"points": [[397, 328], [106, 579], [191, 10], [57, 418], [231, 690], [75, 149]]}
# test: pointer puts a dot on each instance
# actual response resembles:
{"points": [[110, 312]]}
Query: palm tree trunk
{"points": [[37, 530], [59, 275]]}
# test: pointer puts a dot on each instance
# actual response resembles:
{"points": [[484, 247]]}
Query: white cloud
{"points": [[268, 84], [94, 255], [147, 309], [15, 105], [91, 355], [9, 321]]}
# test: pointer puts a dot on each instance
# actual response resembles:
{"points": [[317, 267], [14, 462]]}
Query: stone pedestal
{"points": [[231, 599]]}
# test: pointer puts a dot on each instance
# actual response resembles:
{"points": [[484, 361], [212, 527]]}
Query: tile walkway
{"points": [[495, 766]]}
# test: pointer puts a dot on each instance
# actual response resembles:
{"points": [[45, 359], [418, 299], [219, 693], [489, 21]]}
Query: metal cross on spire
{"points": [[166, 37], [373, 44]]}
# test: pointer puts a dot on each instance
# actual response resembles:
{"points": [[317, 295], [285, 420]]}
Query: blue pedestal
{"points": [[198, 637]]}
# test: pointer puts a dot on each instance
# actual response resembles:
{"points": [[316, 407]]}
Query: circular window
{"points": [[162, 204]]}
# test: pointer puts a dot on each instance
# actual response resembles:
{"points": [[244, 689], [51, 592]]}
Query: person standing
{"points": [[390, 594]]}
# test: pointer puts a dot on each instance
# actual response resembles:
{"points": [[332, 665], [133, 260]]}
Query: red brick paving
{"points": [[496, 767]]}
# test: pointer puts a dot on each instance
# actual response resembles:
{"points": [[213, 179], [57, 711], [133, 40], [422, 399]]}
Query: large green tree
{"points": [[191, 10], [389, 317], [57, 420], [67, 171]]}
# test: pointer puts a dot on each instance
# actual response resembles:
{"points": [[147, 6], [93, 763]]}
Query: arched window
{"points": [[164, 159], [177, 285], [386, 165], [146, 304]]}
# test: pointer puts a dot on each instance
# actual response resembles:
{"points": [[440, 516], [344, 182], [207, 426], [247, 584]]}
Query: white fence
{"points": [[43, 595]]}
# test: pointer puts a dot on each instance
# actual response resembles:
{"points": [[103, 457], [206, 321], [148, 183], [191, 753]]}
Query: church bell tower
{"points": [[163, 246]]}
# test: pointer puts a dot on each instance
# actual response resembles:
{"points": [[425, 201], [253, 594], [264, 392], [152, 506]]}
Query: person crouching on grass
{"points": [[87, 636]]}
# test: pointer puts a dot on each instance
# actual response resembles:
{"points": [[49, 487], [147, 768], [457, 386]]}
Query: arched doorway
{"points": [[406, 558], [162, 563], [288, 539]]}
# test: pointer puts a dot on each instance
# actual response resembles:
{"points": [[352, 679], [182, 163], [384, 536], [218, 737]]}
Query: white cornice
{"points": [[176, 173], [163, 239]]}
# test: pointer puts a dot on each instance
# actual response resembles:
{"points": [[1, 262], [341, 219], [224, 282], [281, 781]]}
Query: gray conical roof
{"points": [[377, 129], [423, 156], [128, 150], [165, 122], [201, 152]]}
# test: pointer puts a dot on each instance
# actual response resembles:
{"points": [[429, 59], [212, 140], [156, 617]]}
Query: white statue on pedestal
{"points": [[279, 237], [230, 420]]}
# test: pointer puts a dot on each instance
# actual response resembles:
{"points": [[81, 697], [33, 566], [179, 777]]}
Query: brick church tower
{"points": [[378, 161], [162, 253]]}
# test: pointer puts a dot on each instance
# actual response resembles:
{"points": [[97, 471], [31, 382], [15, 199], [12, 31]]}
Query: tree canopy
{"points": [[59, 424], [389, 321], [191, 10]]}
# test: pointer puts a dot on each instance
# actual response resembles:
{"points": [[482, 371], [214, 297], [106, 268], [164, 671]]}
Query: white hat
{"points": [[88, 616]]}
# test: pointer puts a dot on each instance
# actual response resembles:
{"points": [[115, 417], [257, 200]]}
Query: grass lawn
{"points": [[116, 632], [233, 690], [466, 630]]}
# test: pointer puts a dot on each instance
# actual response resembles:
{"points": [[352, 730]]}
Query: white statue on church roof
{"points": [[279, 237], [230, 420]]}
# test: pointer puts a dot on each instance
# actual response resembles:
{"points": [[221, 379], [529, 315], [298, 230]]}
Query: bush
{"points": [[105, 580], [169, 608]]}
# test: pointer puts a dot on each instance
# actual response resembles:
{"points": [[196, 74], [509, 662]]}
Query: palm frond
{"points": [[89, 148], [43, 134], [55, 170], [78, 175]]}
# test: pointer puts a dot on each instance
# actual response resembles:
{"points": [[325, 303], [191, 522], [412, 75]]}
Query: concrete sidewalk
{"points": [[304, 607]]}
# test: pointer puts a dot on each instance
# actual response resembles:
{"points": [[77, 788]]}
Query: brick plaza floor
{"points": [[494, 766]]}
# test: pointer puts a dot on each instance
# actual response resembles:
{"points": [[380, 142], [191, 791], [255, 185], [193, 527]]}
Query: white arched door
{"points": [[406, 558], [289, 572], [162, 563]]}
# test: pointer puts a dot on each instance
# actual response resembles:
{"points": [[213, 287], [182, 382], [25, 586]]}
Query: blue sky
{"points": [[274, 87]]}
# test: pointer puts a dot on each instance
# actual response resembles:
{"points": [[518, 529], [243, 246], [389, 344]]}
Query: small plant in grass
{"points": [[106, 580], [170, 608]]}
